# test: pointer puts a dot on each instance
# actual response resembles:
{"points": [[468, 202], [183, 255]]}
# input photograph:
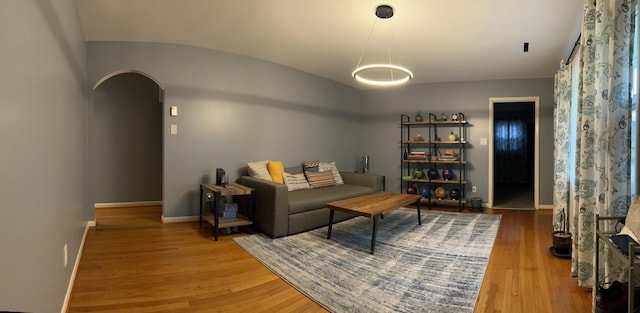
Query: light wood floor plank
{"points": [[132, 262]]}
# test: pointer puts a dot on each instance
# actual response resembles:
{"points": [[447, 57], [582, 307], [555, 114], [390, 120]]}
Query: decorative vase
{"points": [[432, 173], [417, 137], [454, 194], [411, 189], [418, 117], [452, 137], [417, 173], [424, 191], [447, 173], [475, 204], [562, 242], [440, 193]]}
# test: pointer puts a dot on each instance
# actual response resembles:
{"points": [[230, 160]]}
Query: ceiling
{"points": [[438, 40]]}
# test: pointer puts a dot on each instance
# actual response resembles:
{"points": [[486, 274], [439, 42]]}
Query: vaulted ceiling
{"points": [[438, 40]]}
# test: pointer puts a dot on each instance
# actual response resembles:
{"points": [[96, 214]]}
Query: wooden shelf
{"points": [[436, 181], [439, 142], [443, 201], [239, 220], [427, 123], [434, 146], [212, 196], [437, 162]]}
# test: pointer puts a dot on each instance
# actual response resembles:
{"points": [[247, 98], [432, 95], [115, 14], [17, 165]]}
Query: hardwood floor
{"points": [[513, 196], [522, 275], [133, 263]]}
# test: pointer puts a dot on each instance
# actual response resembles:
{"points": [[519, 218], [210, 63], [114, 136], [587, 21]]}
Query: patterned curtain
{"points": [[604, 105], [561, 120]]}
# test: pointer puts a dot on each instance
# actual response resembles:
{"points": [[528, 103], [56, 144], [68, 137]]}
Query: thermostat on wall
{"points": [[174, 110]]}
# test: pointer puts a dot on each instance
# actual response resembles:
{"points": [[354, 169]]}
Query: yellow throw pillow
{"points": [[275, 170]]}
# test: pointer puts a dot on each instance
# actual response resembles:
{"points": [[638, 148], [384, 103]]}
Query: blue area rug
{"points": [[436, 267]]}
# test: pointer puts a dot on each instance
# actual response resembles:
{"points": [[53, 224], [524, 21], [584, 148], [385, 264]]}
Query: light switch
{"points": [[483, 141], [173, 110], [174, 129]]}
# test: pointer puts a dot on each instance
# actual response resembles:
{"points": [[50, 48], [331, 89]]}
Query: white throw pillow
{"points": [[632, 222], [295, 181], [259, 169], [626, 231], [331, 166]]}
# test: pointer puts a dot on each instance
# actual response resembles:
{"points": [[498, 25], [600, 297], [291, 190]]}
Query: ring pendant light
{"points": [[395, 74]]}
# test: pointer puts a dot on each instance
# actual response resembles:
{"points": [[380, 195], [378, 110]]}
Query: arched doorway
{"points": [[126, 140]]}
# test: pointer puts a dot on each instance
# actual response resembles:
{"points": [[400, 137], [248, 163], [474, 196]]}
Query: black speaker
{"points": [[219, 174]]}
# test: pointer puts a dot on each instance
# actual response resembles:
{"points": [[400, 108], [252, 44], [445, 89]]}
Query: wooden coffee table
{"points": [[373, 206]]}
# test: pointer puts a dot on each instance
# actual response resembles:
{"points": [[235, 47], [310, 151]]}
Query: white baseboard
{"points": [[127, 204], [180, 219], [545, 207], [72, 279]]}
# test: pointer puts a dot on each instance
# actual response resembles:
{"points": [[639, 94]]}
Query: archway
{"points": [[125, 140]]}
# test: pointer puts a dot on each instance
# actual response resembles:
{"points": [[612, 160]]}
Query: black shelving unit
{"points": [[632, 259], [434, 142]]}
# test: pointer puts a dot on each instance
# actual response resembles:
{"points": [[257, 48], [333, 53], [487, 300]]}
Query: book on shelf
{"points": [[419, 155]]}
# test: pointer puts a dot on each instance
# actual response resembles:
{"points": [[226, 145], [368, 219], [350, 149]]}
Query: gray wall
{"points": [[381, 128], [233, 110], [43, 144], [127, 140]]}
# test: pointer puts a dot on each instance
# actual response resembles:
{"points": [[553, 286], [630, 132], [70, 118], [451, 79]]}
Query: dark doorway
{"points": [[514, 154]]}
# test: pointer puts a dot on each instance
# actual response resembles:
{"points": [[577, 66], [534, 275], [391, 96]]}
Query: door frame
{"points": [[536, 162]]}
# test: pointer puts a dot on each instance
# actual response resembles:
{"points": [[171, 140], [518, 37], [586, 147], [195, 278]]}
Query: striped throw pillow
{"points": [[320, 179]]}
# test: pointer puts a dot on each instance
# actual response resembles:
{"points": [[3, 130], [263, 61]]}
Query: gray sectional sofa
{"points": [[280, 212]]}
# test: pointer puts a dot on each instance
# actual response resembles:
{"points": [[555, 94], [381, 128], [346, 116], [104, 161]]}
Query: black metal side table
{"points": [[213, 196]]}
